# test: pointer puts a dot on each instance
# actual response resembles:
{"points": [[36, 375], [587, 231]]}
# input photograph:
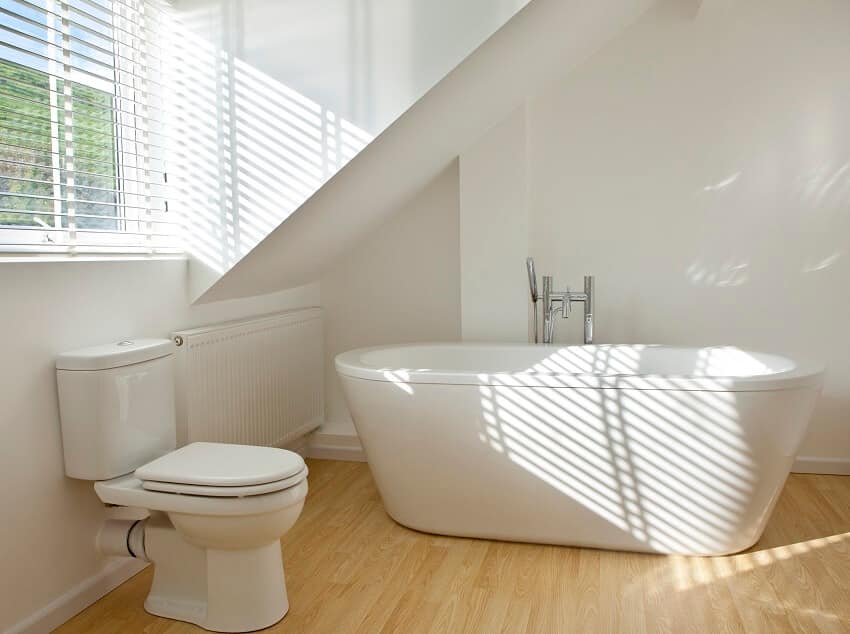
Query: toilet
{"points": [[215, 512]]}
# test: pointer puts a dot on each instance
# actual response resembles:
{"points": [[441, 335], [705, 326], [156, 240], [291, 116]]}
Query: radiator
{"points": [[257, 381]]}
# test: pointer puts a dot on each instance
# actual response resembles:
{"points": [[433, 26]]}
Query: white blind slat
{"points": [[85, 65], [86, 187], [123, 232], [42, 166], [4, 194], [103, 22], [7, 83], [92, 41], [85, 158], [93, 216], [34, 133]]}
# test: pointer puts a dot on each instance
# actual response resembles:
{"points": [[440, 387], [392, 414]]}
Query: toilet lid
{"points": [[225, 491], [222, 465]]}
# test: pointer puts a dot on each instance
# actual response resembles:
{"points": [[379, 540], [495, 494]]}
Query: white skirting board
{"points": [[301, 445], [811, 464], [325, 446], [79, 597]]}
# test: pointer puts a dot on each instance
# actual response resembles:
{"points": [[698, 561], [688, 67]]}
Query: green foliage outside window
{"points": [[27, 141]]}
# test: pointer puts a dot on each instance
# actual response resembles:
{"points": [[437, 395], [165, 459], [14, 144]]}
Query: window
{"points": [[82, 146]]}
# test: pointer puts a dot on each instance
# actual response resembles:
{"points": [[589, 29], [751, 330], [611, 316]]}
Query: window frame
{"points": [[133, 157]]}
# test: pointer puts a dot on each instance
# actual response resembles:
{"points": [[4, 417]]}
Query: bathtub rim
{"points": [[805, 374]]}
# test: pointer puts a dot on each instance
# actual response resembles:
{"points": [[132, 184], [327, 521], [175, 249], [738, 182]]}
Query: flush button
{"points": [[125, 343]]}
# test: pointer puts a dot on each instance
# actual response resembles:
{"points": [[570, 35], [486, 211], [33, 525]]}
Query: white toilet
{"points": [[217, 511]]}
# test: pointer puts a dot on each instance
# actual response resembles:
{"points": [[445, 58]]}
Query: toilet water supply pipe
{"points": [[122, 538]]}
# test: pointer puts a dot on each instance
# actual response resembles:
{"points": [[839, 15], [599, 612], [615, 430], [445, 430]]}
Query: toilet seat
{"points": [[129, 491], [212, 479], [225, 491], [207, 464]]}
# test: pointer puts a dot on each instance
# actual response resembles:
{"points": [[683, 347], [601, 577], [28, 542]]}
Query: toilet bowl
{"points": [[216, 512], [215, 547]]}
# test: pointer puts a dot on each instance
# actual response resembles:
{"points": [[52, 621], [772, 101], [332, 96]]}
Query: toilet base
{"points": [[219, 590]]}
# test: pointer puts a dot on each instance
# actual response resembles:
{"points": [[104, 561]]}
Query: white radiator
{"points": [[257, 381]]}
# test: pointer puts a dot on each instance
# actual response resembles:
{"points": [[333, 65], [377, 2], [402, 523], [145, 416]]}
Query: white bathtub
{"points": [[644, 448]]}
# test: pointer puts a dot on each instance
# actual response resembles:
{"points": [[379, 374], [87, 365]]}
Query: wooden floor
{"points": [[350, 568]]}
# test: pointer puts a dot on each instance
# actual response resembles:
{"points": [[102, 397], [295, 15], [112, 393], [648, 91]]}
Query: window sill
{"points": [[8, 257]]}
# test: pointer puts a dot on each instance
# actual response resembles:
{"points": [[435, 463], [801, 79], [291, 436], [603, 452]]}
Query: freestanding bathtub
{"points": [[628, 447]]}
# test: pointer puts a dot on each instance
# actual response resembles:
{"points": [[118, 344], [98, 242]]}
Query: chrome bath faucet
{"points": [[554, 303]]}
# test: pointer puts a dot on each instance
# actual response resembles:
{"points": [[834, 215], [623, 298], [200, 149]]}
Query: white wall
{"points": [[50, 521], [366, 60], [268, 100], [494, 233], [543, 41], [245, 146], [400, 285], [699, 166]]}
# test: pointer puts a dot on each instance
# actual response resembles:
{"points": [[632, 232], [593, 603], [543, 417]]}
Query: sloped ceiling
{"points": [[541, 44]]}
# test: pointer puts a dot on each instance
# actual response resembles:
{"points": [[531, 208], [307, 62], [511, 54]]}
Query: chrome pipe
{"points": [[548, 323], [536, 318], [588, 309]]}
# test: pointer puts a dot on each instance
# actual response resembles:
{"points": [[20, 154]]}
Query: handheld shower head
{"points": [[532, 279], [532, 288]]}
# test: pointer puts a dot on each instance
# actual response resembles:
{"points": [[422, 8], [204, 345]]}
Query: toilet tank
{"points": [[116, 406]]}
